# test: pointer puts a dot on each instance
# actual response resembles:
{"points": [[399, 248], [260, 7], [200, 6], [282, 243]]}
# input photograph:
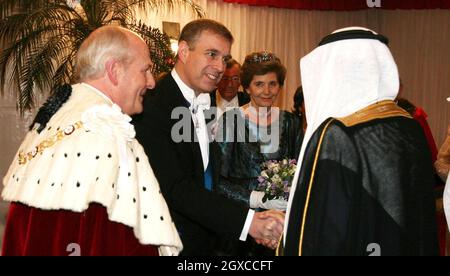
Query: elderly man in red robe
{"points": [[80, 183]]}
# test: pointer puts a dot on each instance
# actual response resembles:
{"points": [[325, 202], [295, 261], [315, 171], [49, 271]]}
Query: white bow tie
{"points": [[201, 102]]}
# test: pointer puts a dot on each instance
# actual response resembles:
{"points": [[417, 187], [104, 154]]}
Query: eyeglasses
{"points": [[232, 78]]}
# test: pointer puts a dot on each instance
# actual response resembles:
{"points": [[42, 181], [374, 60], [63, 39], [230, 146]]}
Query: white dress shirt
{"points": [[224, 105]]}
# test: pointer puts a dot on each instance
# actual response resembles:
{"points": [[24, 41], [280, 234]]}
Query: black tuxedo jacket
{"points": [[199, 215]]}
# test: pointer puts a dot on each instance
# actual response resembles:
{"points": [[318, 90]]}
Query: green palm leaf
{"points": [[40, 38]]}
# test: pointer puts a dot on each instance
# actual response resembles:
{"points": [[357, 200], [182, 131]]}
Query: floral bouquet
{"points": [[276, 178]]}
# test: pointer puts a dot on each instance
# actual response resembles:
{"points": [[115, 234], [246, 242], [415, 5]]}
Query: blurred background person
{"points": [[442, 163], [227, 94], [442, 166]]}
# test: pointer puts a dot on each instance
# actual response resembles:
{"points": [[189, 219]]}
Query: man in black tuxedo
{"points": [[173, 131], [227, 95]]}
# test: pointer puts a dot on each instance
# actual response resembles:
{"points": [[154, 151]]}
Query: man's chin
{"points": [[207, 86], [136, 110], [208, 89]]}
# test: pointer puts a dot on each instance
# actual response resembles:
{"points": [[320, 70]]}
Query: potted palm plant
{"points": [[39, 39]]}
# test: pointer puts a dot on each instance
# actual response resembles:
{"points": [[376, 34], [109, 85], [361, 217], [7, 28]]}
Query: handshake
{"points": [[267, 227]]}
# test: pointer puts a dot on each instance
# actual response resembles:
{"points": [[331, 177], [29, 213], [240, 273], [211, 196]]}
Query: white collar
{"points": [[202, 102], [222, 102], [188, 93], [98, 92]]}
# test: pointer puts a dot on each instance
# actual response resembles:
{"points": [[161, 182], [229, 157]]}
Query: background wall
{"points": [[12, 131], [419, 40]]}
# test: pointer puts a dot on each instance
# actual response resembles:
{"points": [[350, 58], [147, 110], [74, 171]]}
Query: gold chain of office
{"points": [[39, 149]]}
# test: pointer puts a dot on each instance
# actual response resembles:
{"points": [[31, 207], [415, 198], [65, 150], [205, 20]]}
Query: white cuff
{"points": [[254, 199], [247, 225]]}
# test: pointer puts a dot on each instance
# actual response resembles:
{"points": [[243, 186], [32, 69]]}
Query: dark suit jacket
{"points": [[243, 98], [199, 215]]}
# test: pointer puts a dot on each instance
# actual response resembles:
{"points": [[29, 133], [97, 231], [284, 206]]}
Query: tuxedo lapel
{"points": [[171, 94], [214, 153], [174, 99]]}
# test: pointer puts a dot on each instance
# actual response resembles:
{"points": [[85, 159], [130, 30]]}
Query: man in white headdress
{"points": [[364, 184], [80, 182]]}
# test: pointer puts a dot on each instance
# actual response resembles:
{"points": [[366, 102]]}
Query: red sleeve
{"points": [[36, 232]]}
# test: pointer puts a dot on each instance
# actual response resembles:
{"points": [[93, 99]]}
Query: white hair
{"points": [[104, 43]]}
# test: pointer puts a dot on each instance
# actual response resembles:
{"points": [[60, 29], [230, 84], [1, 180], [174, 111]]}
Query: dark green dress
{"points": [[244, 147]]}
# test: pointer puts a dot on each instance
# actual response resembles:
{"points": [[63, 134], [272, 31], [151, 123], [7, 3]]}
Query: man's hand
{"points": [[268, 243], [267, 227]]}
